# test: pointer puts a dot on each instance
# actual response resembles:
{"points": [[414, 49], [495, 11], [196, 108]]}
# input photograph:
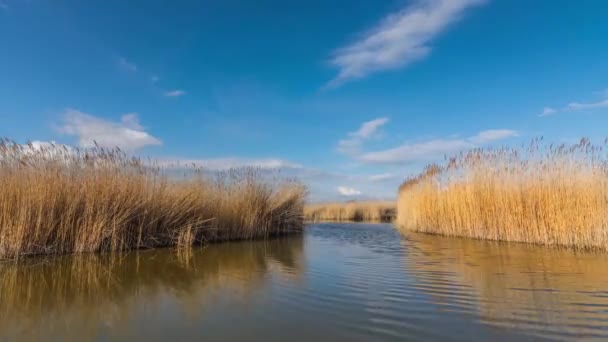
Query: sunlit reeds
{"points": [[546, 194], [351, 211], [57, 200]]}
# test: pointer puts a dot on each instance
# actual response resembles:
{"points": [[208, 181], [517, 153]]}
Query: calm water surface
{"points": [[338, 282]]}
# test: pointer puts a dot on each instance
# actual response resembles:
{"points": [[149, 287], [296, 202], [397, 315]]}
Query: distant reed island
{"points": [[543, 194], [379, 211], [59, 200]]}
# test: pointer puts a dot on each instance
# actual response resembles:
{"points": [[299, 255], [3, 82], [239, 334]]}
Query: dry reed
{"points": [[553, 195], [57, 200], [351, 211]]}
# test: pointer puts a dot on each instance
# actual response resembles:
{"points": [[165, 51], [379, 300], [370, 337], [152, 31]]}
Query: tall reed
{"points": [[56, 200], [351, 211], [545, 194]]}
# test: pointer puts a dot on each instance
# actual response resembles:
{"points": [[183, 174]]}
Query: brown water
{"points": [[338, 282]]}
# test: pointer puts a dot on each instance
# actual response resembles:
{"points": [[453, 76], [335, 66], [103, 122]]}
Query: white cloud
{"points": [[127, 134], [368, 128], [492, 135], [580, 106], [39, 145], [574, 106], [366, 131], [547, 111], [154, 79], [431, 149], [49, 148], [381, 177], [400, 39], [416, 151], [3, 5], [346, 191], [131, 120], [228, 163], [126, 65], [175, 93], [602, 93]]}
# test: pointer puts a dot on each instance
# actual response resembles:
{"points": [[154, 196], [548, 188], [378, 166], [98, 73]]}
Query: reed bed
{"points": [[351, 211], [543, 194], [58, 200]]}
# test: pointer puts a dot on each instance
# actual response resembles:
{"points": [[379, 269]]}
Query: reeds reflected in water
{"points": [[548, 292], [85, 297]]}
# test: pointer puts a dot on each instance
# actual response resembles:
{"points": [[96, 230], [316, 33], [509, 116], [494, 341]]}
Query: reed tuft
{"points": [[543, 194], [58, 200], [351, 211]]}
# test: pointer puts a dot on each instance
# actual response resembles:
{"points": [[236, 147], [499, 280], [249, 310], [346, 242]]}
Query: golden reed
{"points": [[552, 195], [57, 200], [351, 211]]}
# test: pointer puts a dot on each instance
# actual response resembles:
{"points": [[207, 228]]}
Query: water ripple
{"points": [[339, 282]]}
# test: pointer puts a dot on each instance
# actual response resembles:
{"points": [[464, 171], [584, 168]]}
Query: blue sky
{"points": [[351, 97]]}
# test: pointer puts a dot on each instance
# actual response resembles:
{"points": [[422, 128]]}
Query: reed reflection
{"points": [[551, 292], [83, 297]]}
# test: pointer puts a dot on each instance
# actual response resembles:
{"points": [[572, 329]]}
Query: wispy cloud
{"points": [[547, 111], [399, 40], [48, 147], [382, 177], [346, 191], [131, 121], [366, 131], [431, 149], [126, 65], [574, 106], [3, 5], [602, 93], [580, 106], [416, 151], [127, 134], [228, 163], [492, 135], [154, 78], [175, 93]]}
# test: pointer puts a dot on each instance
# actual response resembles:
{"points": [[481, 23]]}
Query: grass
{"points": [[56, 200], [543, 194], [351, 211]]}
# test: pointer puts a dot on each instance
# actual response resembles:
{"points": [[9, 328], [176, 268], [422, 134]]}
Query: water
{"points": [[338, 282]]}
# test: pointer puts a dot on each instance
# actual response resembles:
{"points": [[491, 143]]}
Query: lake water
{"points": [[337, 282]]}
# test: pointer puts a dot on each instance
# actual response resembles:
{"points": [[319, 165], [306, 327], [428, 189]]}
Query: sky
{"points": [[349, 96]]}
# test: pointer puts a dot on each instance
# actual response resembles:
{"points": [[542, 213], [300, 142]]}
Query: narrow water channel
{"points": [[337, 282]]}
